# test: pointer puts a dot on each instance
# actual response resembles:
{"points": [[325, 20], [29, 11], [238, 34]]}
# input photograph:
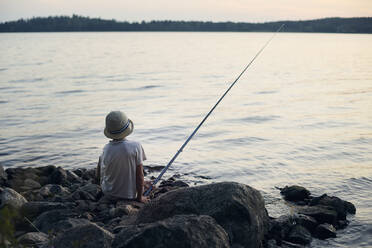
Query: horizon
{"points": [[179, 20], [216, 11]]}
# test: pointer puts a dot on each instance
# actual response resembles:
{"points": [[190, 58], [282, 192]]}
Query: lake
{"points": [[301, 114]]}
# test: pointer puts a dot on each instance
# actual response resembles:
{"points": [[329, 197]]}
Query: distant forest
{"points": [[77, 23]]}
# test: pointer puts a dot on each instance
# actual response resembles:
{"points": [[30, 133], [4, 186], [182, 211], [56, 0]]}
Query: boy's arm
{"points": [[140, 183], [98, 171]]}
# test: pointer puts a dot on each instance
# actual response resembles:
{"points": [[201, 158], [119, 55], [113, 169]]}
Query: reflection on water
{"points": [[300, 115]]}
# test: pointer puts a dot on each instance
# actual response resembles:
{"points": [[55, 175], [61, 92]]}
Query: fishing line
{"points": [[209, 113]]}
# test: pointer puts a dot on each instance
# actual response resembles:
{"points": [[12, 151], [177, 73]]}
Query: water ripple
{"points": [[27, 80], [147, 87], [69, 92], [266, 92], [256, 119]]}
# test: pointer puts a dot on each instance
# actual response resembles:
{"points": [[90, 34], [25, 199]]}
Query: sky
{"points": [[198, 10]]}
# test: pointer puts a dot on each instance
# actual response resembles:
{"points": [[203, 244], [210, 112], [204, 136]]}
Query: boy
{"points": [[120, 167]]}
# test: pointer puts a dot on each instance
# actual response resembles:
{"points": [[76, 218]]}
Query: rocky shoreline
{"points": [[51, 207]]}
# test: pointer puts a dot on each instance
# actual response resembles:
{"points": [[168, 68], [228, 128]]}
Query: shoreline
{"points": [[77, 23], [46, 205]]}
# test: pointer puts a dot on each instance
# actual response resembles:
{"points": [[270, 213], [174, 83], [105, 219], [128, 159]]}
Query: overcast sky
{"points": [[203, 10]]}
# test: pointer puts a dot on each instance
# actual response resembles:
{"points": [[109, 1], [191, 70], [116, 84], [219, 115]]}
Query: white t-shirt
{"points": [[119, 162]]}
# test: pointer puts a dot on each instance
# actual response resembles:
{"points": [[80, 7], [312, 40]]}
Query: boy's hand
{"points": [[143, 199]]}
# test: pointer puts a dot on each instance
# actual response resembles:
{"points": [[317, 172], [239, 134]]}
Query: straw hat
{"points": [[118, 126]]}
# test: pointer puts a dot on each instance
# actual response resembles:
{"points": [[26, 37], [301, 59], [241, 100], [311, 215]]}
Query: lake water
{"points": [[302, 114]]}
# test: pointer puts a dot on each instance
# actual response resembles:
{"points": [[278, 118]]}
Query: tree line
{"points": [[77, 23]]}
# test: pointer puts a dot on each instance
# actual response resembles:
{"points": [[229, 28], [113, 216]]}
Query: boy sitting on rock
{"points": [[120, 167]]}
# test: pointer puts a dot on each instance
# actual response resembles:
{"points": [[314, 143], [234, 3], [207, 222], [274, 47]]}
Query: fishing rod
{"points": [[209, 113]]}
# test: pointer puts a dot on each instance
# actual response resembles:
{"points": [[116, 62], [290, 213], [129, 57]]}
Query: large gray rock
{"points": [[9, 197], [238, 208], [179, 231], [49, 221], [86, 236]]}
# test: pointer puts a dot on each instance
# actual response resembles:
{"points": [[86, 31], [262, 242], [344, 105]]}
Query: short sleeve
{"points": [[141, 156]]}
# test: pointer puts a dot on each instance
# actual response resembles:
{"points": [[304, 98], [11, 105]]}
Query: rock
{"points": [[325, 231], [30, 184], [59, 176], [2, 172], [342, 224], [295, 193], [271, 243], [159, 191], [47, 170], [9, 197], [68, 223], [93, 189], [35, 208], [280, 227], [72, 177], [340, 206], [50, 190], [299, 235], [89, 175], [204, 177], [3, 176], [238, 208], [102, 206], [307, 221], [79, 172], [39, 174], [19, 178], [92, 205], [82, 205], [167, 185], [129, 207], [32, 195], [33, 239], [87, 216], [350, 208], [177, 231], [82, 195], [286, 244], [112, 223], [86, 236], [321, 214], [122, 210], [150, 169], [173, 183], [48, 221]]}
